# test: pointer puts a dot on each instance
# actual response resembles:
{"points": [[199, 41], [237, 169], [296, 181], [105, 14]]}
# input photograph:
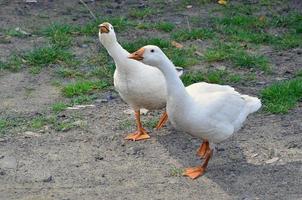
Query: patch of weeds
{"points": [[16, 33], [83, 87], [60, 34], [104, 73], [212, 76], [282, 96], [175, 171], [38, 122], [292, 20], [58, 107], [141, 13], [45, 56], [13, 64], [64, 72], [195, 33], [237, 56], [150, 122], [182, 57], [3, 125], [126, 124], [287, 41], [165, 26], [245, 60], [83, 99]]}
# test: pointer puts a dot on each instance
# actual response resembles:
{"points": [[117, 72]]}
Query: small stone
{"points": [[270, 161], [2, 173], [31, 134], [98, 158], [47, 180], [31, 1], [84, 46], [142, 5], [189, 6], [101, 100], [254, 155], [221, 67], [8, 162]]}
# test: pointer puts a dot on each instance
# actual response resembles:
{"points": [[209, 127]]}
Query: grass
{"points": [[141, 13], [60, 34], [16, 33], [237, 56], [58, 107], [45, 56], [83, 87], [212, 76], [175, 171], [13, 64], [165, 26], [196, 33], [282, 96]]}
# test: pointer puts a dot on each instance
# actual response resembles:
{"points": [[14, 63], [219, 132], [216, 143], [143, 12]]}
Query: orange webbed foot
{"points": [[138, 135], [194, 172]]}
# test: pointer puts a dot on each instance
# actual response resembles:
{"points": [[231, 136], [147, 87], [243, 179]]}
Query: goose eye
{"points": [[111, 27], [152, 50]]}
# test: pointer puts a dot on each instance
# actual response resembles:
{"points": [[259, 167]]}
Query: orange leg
{"points": [[141, 133], [195, 172], [204, 147], [163, 119]]}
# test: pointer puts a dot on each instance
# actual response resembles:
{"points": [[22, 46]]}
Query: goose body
{"points": [[139, 85], [208, 111]]}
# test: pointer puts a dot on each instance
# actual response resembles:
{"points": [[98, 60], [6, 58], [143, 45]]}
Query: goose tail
{"points": [[253, 103]]}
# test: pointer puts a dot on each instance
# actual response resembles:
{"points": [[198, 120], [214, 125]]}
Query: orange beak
{"points": [[138, 55], [104, 28]]}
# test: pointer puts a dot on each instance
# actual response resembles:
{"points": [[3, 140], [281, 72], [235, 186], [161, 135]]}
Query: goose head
{"points": [[150, 55], [106, 34]]}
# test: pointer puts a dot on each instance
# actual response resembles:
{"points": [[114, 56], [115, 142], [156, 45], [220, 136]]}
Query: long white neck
{"points": [[175, 87], [116, 51]]}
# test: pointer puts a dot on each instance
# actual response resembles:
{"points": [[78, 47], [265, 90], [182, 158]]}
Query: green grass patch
{"points": [[141, 13], [64, 72], [195, 33], [58, 107], [60, 34], [83, 87], [165, 26], [237, 56], [282, 96], [13, 64], [45, 56], [16, 33], [212, 76]]}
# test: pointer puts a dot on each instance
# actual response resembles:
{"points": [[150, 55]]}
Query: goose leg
{"points": [[195, 172], [141, 133], [204, 147], [163, 119]]}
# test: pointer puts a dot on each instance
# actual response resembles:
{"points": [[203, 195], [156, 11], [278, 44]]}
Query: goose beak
{"points": [[103, 28], [138, 55]]}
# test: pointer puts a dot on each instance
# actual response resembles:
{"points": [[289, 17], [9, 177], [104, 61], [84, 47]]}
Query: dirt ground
{"points": [[262, 161]]}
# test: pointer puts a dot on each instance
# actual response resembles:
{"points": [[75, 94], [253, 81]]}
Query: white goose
{"points": [[139, 85], [202, 110]]}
